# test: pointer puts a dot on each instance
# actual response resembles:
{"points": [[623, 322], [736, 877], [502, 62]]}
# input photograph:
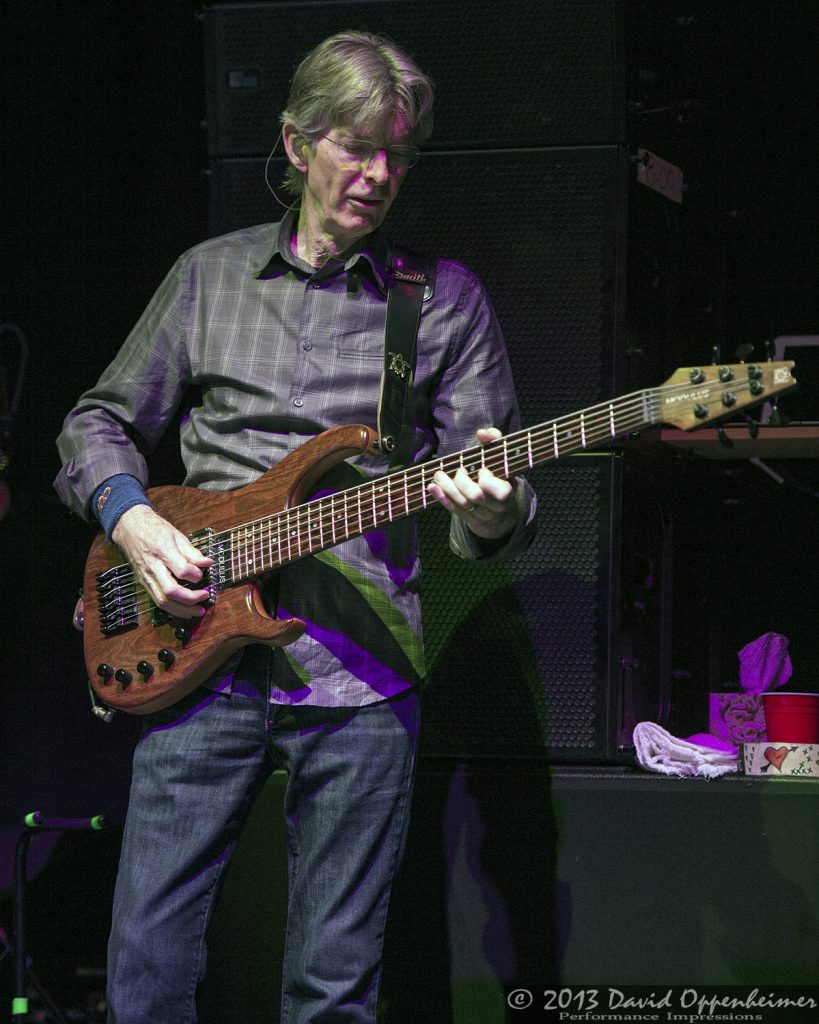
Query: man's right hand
{"points": [[162, 556]]}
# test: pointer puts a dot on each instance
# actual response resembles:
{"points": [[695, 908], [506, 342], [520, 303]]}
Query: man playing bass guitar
{"points": [[279, 328]]}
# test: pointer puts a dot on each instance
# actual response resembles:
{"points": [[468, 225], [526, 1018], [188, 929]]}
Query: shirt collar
{"points": [[370, 256]]}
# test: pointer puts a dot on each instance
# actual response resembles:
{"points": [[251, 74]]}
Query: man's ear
{"points": [[296, 147]]}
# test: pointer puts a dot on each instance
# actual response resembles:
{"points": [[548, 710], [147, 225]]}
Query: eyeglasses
{"points": [[399, 158]]}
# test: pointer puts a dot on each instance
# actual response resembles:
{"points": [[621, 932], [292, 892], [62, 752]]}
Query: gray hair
{"points": [[355, 80]]}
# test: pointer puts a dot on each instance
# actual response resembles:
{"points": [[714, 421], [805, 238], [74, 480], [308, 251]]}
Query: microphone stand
{"points": [[33, 823]]}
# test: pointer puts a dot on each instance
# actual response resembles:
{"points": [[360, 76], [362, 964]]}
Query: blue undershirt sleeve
{"points": [[114, 496]]}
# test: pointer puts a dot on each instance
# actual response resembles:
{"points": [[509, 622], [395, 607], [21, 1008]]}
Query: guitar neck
{"points": [[247, 551]]}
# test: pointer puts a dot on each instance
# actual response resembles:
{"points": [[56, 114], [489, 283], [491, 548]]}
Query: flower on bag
{"points": [[742, 717]]}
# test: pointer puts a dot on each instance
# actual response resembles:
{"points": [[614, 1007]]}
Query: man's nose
{"points": [[378, 166]]}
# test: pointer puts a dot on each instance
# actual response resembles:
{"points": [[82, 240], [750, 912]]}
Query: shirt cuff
{"points": [[114, 496], [469, 546]]}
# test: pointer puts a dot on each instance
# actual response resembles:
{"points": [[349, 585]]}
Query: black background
{"points": [[104, 183]]}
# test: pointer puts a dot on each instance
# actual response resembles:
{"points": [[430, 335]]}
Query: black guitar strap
{"points": [[412, 281]]}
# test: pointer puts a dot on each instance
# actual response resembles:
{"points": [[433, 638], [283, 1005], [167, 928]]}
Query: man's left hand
{"points": [[487, 505]]}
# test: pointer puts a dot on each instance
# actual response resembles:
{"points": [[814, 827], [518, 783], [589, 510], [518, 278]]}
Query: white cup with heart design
{"points": [[781, 760]]}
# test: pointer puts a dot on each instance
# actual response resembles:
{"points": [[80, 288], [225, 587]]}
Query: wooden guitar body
{"points": [[132, 668]]}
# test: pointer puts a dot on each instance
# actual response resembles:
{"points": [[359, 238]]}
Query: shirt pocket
{"points": [[359, 343]]}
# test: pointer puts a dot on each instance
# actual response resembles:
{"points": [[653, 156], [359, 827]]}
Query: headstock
{"points": [[694, 395]]}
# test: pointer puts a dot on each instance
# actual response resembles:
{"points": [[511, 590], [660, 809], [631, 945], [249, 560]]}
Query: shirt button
{"points": [[298, 402], [307, 345]]}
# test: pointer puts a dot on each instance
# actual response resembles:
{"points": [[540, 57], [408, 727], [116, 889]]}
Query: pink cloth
{"points": [[764, 663]]}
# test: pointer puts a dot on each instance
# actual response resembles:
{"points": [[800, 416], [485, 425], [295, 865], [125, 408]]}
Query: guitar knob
{"points": [[756, 387], [145, 669], [182, 633], [122, 675], [725, 374], [729, 399], [104, 671], [166, 657], [696, 376], [700, 411]]}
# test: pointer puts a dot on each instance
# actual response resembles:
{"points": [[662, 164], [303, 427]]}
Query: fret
{"points": [[300, 531], [612, 428], [424, 495], [240, 553], [279, 554], [288, 536], [505, 459], [276, 524], [344, 516], [529, 448], [554, 440]]}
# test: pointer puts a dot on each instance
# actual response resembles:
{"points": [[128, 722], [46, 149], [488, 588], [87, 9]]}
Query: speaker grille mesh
{"points": [[519, 73], [518, 652]]}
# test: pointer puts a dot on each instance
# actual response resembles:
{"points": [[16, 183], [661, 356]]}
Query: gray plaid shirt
{"points": [[281, 351]]}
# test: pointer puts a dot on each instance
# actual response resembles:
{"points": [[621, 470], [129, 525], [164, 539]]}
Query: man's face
{"points": [[353, 178]]}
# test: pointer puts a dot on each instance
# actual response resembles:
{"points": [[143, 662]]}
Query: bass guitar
{"points": [[139, 659]]}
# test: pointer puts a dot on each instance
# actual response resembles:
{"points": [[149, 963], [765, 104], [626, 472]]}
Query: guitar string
{"points": [[603, 412], [246, 560], [538, 443], [331, 510], [544, 437]]}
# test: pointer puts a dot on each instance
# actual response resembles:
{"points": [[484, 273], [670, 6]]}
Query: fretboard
{"points": [[254, 548]]}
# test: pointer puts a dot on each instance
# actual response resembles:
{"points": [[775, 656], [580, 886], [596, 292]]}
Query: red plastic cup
{"points": [[791, 717]]}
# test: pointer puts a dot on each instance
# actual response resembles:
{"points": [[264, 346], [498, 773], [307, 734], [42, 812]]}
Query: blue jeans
{"points": [[197, 769]]}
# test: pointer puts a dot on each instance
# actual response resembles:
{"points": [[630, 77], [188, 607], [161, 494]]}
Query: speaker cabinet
{"points": [[522, 656], [511, 74]]}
